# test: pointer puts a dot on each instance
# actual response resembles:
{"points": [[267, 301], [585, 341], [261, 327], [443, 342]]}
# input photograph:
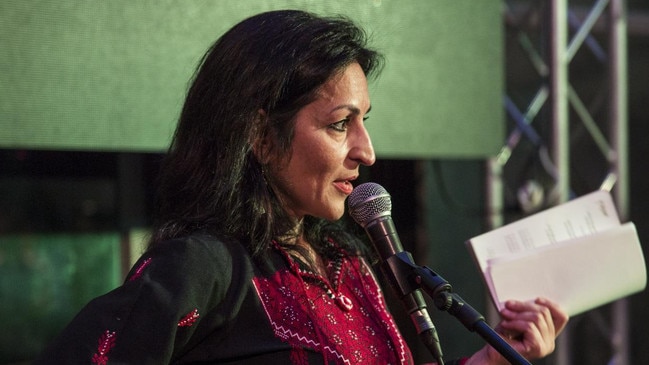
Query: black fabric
{"points": [[169, 282], [197, 272]]}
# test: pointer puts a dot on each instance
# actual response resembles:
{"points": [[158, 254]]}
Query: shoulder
{"points": [[198, 247], [196, 260], [167, 305]]}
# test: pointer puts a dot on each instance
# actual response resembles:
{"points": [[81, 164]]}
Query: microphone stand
{"points": [[410, 277]]}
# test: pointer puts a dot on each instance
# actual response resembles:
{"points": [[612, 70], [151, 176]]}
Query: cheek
{"points": [[320, 160], [316, 157]]}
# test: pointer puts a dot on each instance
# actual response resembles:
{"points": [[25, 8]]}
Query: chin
{"points": [[338, 216], [332, 216], [332, 212]]}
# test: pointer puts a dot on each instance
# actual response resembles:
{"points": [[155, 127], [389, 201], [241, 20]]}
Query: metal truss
{"points": [[567, 135]]}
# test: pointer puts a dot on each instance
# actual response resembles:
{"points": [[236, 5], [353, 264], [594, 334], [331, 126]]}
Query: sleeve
{"points": [[157, 313]]}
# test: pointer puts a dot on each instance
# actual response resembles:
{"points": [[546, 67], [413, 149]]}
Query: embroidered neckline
{"points": [[331, 288], [302, 315]]}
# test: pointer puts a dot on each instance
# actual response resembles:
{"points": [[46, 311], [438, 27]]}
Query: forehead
{"points": [[348, 86]]}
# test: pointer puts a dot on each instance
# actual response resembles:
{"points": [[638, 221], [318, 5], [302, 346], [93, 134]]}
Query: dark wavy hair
{"points": [[273, 62]]}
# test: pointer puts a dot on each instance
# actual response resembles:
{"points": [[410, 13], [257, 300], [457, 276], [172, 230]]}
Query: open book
{"points": [[577, 254]]}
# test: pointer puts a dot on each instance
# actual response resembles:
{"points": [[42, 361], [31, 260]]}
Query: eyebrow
{"points": [[351, 108]]}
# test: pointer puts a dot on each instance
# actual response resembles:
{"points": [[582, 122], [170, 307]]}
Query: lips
{"points": [[344, 186]]}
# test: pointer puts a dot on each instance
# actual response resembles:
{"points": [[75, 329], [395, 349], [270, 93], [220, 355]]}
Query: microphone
{"points": [[370, 206]]}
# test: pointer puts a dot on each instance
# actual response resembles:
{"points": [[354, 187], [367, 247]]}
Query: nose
{"points": [[362, 150]]}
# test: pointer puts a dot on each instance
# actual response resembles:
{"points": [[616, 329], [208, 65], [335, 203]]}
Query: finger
{"points": [[515, 309], [528, 340], [553, 314], [528, 323], [533, 338], [530, 318], [559, 316]]}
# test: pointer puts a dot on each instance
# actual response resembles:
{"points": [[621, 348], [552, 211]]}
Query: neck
{"points": [[304, 251], [299, 247]]}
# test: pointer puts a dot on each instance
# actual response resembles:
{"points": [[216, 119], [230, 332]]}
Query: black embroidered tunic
{"points": [[200, 300]]}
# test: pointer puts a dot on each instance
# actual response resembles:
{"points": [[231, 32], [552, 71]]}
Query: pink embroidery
{"points": [[304, 316], [140, 269], [105, 344], [189, 319]]}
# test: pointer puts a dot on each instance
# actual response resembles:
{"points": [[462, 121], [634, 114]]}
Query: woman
{"points": [[249, 262]]}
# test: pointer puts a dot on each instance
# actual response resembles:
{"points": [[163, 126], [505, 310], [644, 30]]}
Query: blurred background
{"points": [[486, 112]]}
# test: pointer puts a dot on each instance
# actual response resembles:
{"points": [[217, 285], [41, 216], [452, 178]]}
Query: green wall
{"points": [[45, 279], [111, 75]]}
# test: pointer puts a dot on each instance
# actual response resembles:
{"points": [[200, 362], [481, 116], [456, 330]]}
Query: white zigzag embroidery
{"points": [[283, 332]]}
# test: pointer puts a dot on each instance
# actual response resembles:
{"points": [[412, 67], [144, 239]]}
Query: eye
{"points": [[340, 126]]}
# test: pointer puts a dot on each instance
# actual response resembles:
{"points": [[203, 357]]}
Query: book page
{"points": [[579, 274], [497, 253], [579, 217]]}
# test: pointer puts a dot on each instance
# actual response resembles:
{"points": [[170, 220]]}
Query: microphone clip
{"points": [[407, 277]]}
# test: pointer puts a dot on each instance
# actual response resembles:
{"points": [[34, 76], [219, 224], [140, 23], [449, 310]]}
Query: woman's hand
{"points": [[529, 327]]}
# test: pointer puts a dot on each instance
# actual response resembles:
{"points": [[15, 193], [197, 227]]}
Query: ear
{"points": [[261, 142]]}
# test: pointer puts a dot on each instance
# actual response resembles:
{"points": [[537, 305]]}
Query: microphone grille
{"points": [[367, 202]]}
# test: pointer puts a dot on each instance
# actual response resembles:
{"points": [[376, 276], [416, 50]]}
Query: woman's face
{"points": [[329, 145]]}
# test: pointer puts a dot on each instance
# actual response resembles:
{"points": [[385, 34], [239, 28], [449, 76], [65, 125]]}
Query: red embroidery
{"points": [[105, 344], [189, 319], [364, 334], [140, 269]]}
